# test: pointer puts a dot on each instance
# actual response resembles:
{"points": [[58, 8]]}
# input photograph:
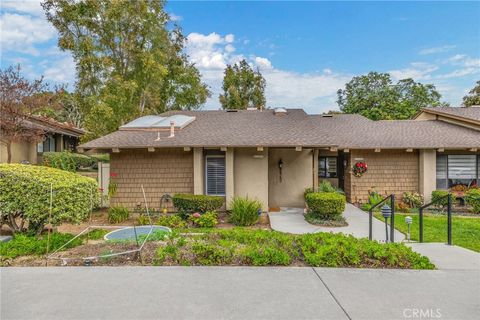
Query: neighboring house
{"points": [[467, 116], [58, 136], [273, 155]]}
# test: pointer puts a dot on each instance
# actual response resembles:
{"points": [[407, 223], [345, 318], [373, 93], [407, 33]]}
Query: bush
{"points": [[22, 245], [101, 157], [326, 186], [324, 205], [117, 214], [244, 211], [206, 220], [472, 198], [25, 196], [197, 202], [412, 199], [67, 161], [373, 199], [440, 200], [172, 221]]}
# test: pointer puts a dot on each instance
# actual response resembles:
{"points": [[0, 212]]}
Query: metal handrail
{"points": [[392, 219], [449, 217]]}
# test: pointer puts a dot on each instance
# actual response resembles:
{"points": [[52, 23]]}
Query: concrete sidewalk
{"points": [[236, 293], [291, 220]]}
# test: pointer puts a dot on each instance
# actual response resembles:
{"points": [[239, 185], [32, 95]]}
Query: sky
{"points": [[305, 50]]}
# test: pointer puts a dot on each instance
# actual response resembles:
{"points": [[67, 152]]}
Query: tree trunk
{"points": [[9, 152]]}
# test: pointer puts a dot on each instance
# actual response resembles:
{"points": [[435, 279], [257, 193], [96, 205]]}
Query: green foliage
{"points": [[129, 61], [172, 221], [143, 220], [326, 186], [206, 220], [325, 205], [440, 200], [472, 198], [244, 211], [242, 87], [307, 191], [412, 199], [66, 160], [376, 97], [118, 214], [373, 199], [25, 196], [473, 96], [264, 248], [197, 202], [333, 221], [22, 245], [95, 234]]}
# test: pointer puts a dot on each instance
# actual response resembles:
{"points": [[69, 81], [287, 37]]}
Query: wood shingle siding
{"points": [[160, 172]]}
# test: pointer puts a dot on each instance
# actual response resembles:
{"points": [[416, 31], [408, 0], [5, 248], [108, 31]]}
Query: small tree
{"points": [[473, 96], [20, 98], [242, 87]]}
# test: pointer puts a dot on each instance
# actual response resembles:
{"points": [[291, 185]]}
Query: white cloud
{"points": [[229, 38], [30, 7], [434, 50], [174, 17], [416, 71], [459, 73], [263, 63], [21, 32]]}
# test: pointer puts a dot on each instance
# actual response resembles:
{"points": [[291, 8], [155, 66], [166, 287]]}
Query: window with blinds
{"points": [[327, 167], [457, 169], [215, 175]]}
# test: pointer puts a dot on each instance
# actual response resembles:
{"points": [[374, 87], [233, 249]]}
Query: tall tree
{"points": [[473, 96], [129, 61], [19, 99], [242, 87], [375, 96]]}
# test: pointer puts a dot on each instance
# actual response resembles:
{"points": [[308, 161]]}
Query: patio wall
{"points": [[389, 171]]}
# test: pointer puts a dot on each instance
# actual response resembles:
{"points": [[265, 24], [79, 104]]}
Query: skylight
{"points": [[157, 122]]}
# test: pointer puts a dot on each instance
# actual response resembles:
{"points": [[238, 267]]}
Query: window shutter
{"points": [[215, 175], [462, 166]]}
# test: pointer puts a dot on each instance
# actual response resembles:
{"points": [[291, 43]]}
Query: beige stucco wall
{"points": [[251, 174], [296, 176], [20, 151], [198, 171], [163, 171], [389, 171], [427, 173]]}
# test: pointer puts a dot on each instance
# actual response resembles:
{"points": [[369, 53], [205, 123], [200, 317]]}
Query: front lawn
{"points": [[465, 230]]}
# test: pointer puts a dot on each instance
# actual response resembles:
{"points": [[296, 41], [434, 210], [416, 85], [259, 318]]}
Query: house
{"points": [[274, 154], [57, 136]]}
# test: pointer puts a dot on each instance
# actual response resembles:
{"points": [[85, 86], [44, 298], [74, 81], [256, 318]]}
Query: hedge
{"points": [[325, 205], [67, 160], [472, 198], [440, 200], [197, 202], [25, 196]]}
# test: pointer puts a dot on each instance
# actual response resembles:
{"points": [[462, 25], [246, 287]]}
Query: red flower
{"points": [[113, 174]]}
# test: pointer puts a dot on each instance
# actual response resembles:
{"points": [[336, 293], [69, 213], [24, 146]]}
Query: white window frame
{"points": [[206, 172]]}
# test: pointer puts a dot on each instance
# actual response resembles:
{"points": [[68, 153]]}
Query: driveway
{"points": [[291, 220], [236, 293]]}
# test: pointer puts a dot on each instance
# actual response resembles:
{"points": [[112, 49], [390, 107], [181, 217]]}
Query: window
{"points": [[327, 167], [215, 175], [457, 169], [48, 145]]}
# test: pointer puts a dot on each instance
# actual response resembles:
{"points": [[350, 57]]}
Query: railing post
{"points": [[392, 219], [370, 218], [449, 218], [420, 223]]}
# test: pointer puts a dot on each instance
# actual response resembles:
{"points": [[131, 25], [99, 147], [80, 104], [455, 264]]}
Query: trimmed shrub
{"points": [[197, 202], [412, 199], [472, 198], [101, 157], [172, 221], [117, 214], [206, 220], [244, 211], [67, 161], [440, 200], [25, 196], [326, 205]]}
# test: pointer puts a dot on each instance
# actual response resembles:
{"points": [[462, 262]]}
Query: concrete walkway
{"points": [[291, 220], [447, 257], [236, 293]]}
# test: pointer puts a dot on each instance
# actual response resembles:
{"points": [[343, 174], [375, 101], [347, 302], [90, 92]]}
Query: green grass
{"points": [[465, 230]]}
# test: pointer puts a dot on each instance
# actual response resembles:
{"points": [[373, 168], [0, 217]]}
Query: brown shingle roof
{"points": [[296, 128], [467, 113]]}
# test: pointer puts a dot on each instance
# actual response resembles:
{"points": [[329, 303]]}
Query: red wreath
{"points": [[359, 169]]}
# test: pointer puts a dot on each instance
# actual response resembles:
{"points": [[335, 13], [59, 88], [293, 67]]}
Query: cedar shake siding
{"points": [[389, 171], [160, 172]]}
